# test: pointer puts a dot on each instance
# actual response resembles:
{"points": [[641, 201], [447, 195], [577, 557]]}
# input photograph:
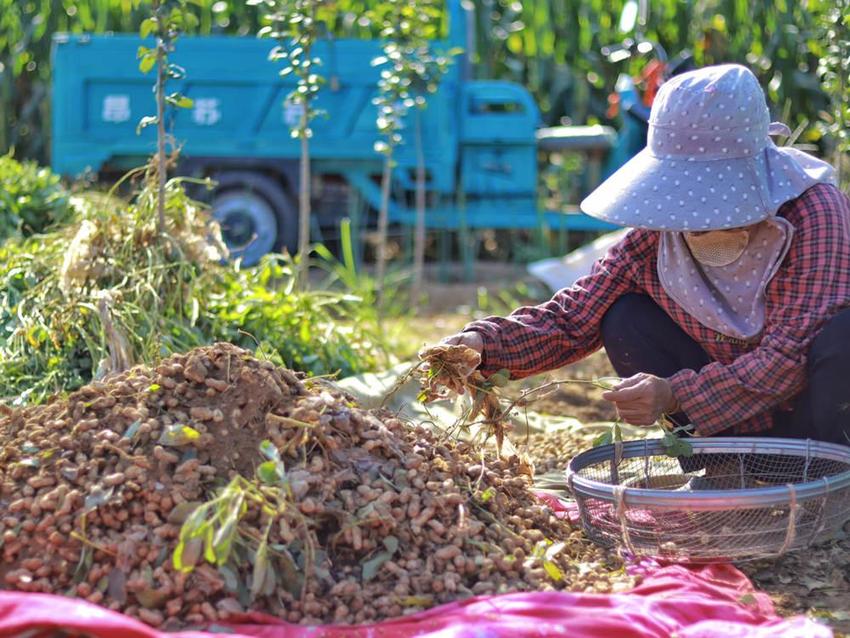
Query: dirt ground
{"points": [[814, 581]]}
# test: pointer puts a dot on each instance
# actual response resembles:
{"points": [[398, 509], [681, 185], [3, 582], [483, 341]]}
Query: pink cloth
{"points": [[704, 602]]}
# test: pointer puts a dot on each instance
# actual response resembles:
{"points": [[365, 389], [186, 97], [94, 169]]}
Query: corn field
{"points": [[553, 47], [550, 46]]}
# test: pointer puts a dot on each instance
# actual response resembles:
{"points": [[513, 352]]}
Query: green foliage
{"points": [[315, 331], [552, 47], [106, 289], [612, 435], [169, 18], [211, 529], [32, 198], [676, 446], [213, 532], [297, 25], [26, 29], [506, 300], [410, 67], [833, 49]]}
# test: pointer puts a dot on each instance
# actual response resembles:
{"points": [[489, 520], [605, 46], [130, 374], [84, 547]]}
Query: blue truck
{"points": [[480, 138]]}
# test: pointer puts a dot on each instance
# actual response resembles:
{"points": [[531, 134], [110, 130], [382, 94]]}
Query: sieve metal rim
{"points": [[711, 500]]}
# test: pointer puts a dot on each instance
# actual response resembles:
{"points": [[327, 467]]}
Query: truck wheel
{"points": [[255, 214]]}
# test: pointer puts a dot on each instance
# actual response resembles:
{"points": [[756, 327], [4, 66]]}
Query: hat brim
{"points": [[692, 195]]}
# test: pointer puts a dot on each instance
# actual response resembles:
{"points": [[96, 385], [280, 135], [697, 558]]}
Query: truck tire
{"points": [[256, 215]]}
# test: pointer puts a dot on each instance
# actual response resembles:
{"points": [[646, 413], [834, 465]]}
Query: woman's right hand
{"points": [[469, 339], [462, 367]]}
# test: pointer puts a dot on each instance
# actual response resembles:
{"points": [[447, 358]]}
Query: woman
{"points": [[727, 305]]}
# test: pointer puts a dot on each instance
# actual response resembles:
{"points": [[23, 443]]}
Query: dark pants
{"points": [[640, 337]]}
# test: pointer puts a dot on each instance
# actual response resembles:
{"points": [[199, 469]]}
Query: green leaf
{"points": [[269, 472], [81, 572], [487, 494], [147, 27], [606, 438], [209, 548], [269, 450], [179, 101], [675, 446], [146, 121], [147, 63], [231, 580], [500, 379], [178, 434], [616, 432], [186, 554], [552, 570], [370, 568], [261, 569], [154, 387], [223, 541], [391, 543], [133, 429]]}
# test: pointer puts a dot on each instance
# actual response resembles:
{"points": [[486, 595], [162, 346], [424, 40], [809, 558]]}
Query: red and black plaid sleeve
{"points": [[812, 285], [566, 328]]}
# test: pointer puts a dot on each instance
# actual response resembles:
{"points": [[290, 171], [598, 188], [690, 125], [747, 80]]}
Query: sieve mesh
{"points": [[734, 499]]}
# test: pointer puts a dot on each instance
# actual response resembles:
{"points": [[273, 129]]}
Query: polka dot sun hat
{"points": [[709, 163]]}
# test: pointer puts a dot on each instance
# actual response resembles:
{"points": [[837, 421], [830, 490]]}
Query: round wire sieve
{"points": [[733, 499]]}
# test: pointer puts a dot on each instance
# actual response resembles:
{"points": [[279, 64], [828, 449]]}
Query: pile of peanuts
{"points": [[95, 486], [552, 451]]}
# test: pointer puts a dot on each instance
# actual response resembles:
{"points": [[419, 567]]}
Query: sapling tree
{"points": [[411, 69], [296, 25], [168, 19]]}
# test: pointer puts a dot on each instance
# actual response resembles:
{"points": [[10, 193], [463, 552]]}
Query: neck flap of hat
{"points": [[728, 299]]}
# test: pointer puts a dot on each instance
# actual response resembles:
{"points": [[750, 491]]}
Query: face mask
{"points": [[718, 247]]}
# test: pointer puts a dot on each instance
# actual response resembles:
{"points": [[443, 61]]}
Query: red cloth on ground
{"points": [[707, 601], [699, 602]]}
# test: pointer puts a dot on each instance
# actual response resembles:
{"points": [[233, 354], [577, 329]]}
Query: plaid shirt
{"points": [[746, 380]]}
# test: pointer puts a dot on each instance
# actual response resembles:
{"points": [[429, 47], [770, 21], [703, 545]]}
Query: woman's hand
{"points": [[453, 369], [642, 399], [469, 339]]}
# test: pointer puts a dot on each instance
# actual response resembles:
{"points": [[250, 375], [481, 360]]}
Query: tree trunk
{"points": [[419, 232], [304, 204], [160, 134], [383, 222]]}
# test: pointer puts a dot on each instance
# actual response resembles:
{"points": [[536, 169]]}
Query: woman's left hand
{"points": [[642, 399]]}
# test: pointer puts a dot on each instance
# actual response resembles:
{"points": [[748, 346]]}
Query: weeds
{"points": [[106, 292], [31, 198]]}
